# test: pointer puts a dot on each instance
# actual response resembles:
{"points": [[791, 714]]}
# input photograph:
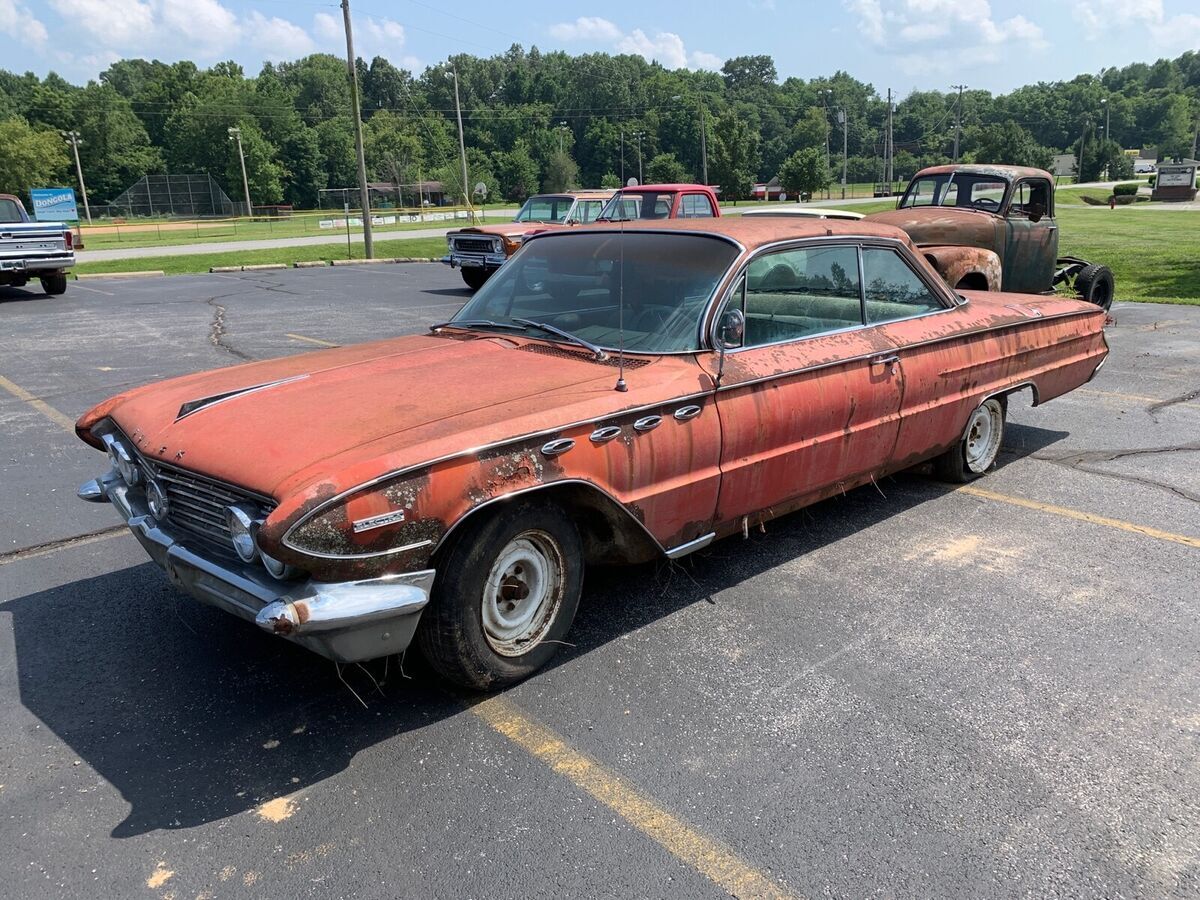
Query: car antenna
{"points": [[621, 385]]}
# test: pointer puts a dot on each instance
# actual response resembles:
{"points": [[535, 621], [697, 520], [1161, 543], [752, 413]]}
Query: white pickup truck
{"points": [[41, 250]]}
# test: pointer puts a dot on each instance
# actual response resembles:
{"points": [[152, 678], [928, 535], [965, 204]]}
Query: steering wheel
{"points": [[987, 204]]}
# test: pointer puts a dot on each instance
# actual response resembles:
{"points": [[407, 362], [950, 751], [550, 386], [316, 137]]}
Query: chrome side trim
{"points": [[684, 413], [557, 447], [691, 546], [647, 423], [605, 434], [316, 554], [191, 407], [473, 451], [541, 487]]}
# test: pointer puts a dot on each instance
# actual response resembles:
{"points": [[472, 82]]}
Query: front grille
{"points": [[474, 245], [197, 504]]}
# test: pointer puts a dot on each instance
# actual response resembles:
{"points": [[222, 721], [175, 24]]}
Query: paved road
{"points": [[907, 691]]}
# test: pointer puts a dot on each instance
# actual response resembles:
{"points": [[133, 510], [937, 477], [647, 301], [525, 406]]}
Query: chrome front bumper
{"points": [[347, 621], [455, 259]]}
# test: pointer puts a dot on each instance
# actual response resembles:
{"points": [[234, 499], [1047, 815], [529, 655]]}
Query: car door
{"points": [[907, 305], [1031, 238], [809, 402]]}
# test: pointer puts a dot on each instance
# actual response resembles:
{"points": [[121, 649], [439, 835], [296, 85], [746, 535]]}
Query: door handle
{"points": [[647, 423], [889, 361], [605, 434], [687, 412]]}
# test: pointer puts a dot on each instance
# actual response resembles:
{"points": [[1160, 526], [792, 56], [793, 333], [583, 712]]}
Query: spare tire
{"points": [[1095, 285]]}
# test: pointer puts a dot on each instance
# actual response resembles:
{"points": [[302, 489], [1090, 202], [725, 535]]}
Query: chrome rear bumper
{"points": [[347, 621]]}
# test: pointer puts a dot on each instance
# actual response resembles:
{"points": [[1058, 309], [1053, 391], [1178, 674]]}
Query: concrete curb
{"points": [[264, 267], [148, 273], [311, 264], [360, 262], [223, 269]]}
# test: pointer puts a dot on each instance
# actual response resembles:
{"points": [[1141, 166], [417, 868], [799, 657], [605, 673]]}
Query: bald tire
{"points": [[955, 465], [451, 634]]}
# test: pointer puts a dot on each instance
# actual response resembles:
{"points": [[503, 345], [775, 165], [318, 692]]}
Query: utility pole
{"points": [[462, 144], [622, 184], [235, 134], [73, 137], [363, 190], [889, 147], [845, 121], [825, 93], [704, 144], [638, 135], [957, 117], [1079, 162], [561, 128]]}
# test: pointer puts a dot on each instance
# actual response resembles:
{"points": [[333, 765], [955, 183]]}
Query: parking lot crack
{"points": [[1085, 462], [216, 332], [1163, 404]]}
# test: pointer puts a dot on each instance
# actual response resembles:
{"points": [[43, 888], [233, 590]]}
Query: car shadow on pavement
{"points": [[194, 716], [31, 291]]}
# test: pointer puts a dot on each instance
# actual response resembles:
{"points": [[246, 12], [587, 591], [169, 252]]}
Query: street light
{"points": [[826, 93], [462, 145], [73, 137], [562, 129], [235, 134]]}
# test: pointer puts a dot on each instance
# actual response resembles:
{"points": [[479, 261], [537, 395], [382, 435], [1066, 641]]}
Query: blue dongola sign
{"points": [[54, 204]]}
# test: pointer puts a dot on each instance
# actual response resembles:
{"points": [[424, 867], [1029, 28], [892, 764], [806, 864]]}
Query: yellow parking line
{"points": [[1085, 517], [318, 341], [711, 859], [64, 421]]}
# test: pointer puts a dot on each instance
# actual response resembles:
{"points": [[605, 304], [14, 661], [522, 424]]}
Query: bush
{"points": [[1129, 189], [1150, 181], [1126, 200]]}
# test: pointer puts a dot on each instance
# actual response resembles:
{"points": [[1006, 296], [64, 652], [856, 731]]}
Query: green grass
{"points": [[244, 230], [189, 265], [1153, 253]]}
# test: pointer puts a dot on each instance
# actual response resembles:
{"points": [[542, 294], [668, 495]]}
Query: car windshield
{"points": [[598, 285], [963, 190], [9, 211], [639, 205], [545, 209]]}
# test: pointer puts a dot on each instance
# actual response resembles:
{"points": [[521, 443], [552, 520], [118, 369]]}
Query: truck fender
{"points": [[967, 268]]}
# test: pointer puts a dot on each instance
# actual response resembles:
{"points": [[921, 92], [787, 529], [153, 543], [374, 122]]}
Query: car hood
{"points": [[508, 229], [273, 426], [928, 226]]}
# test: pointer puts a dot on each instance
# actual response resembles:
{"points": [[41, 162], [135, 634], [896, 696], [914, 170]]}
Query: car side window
{"points": [[798, 293], [893, 289], [587, 210], [1031, 199], [696, 206]]}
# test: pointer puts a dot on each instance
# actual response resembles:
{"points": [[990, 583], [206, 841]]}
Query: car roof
{"points": [[1008, 173], [751, 233], [639, 188], [809, 212]]}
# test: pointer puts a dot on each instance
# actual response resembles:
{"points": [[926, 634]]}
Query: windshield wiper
{"points": [[573, 338], [476, 323]]}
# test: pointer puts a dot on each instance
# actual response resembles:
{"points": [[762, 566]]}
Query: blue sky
{"points": [[901, 44]]}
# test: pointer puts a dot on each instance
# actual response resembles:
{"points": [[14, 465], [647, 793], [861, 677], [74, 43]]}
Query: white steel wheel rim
{"points": [[523, 593], [983, 437]]}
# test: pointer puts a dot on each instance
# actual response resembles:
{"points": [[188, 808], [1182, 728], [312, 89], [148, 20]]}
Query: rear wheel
{"points": [[505, 597], [475, 277], [54, 284], [1094, 284], [976, 452]]}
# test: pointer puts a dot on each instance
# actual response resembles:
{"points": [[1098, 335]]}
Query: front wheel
{"points": [[976, 452], [475, 277], [54, 284], [505, 596]]}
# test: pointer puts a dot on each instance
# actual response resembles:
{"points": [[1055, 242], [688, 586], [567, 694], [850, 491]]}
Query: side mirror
{"points": [[731, 329]]}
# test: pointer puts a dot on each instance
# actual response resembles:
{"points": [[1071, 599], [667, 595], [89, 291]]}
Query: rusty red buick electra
{"points": [[612, 395]]}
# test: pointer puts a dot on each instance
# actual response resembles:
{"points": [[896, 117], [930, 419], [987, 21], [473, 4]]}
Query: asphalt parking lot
{"points": [[905, 691]]}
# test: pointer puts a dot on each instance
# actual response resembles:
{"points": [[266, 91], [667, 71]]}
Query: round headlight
{"points": [[275, 568], [242, 526], [123, 462], [156, 499]]}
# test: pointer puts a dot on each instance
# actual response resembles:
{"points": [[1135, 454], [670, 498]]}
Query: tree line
{"points": [[548, 121]]}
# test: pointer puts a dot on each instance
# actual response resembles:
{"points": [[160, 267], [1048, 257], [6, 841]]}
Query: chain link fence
{"points": [[174, 196]]}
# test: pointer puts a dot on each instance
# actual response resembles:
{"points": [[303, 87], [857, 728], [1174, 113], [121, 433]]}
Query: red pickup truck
{"points": [[661, 201]]}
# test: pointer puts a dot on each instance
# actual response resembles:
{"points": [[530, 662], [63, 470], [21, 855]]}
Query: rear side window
{"points": [[893, 289], [799, 293], [9, 211], [587, 210], [695, 206]]}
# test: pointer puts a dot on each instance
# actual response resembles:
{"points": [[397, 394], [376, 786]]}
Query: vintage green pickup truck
{"points": [[992, 228]]}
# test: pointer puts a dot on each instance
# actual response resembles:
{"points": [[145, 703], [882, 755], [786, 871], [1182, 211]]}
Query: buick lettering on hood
{"points": [[614, 394]]}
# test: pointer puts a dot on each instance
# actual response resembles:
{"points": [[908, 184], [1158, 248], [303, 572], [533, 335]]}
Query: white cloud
{"points": [[20, 24], [1101, 17], [941, 35], [210, 25], [586, 28], [277, 38], [664, 47], [112, 23], [870, 18], [327, 28], [385, 32]]}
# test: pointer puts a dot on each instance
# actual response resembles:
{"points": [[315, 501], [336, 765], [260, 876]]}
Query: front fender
{"points": [[955, 264]]}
